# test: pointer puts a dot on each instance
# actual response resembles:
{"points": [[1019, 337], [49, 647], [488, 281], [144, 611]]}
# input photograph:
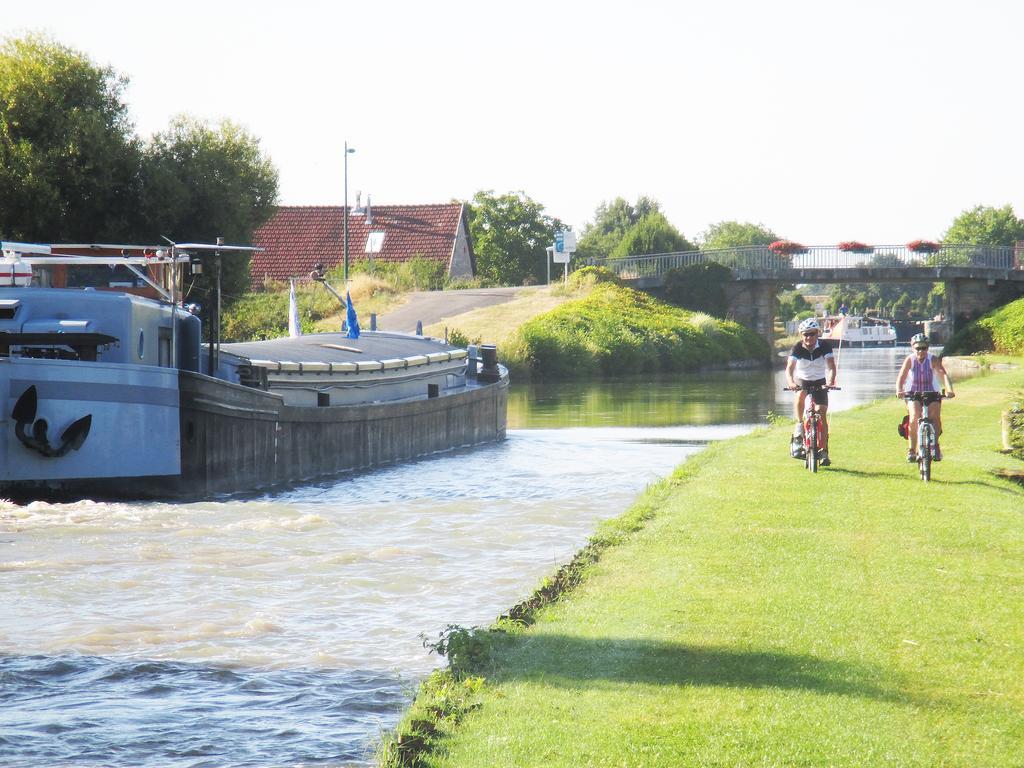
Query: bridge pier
{"points": [[969, 298], [754, 304]]}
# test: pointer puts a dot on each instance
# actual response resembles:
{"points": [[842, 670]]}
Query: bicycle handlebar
{"points": [[809, 388], [921, 395]]}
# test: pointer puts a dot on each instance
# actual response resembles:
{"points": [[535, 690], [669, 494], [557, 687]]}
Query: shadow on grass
{"points": [[580, 662], [911, 474], [862, 473]]}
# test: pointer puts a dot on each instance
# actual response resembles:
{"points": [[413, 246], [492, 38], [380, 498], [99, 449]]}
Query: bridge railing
{"points": [[759, 258]]}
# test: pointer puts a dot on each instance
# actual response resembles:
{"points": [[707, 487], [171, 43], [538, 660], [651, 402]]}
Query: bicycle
{"points": [[814, 439], [926, 437]]}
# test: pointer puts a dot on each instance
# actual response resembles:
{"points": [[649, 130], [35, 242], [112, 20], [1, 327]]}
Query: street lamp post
{"points": [[345, 225]]}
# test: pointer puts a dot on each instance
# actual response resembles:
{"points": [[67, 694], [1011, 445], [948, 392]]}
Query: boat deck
{"points": [[338, 348]]}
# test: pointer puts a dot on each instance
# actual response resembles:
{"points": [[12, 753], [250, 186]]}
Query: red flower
{"points": [[786, 247], [924, 246], [855, 246]]}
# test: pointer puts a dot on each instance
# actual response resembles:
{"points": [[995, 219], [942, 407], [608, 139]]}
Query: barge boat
{"points": [[111, 394]]}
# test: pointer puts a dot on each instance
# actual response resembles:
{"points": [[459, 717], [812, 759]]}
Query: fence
{"points": [[760, 258]]}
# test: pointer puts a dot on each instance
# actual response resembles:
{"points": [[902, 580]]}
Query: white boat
{"points": [[858, 330], [107, 393]]}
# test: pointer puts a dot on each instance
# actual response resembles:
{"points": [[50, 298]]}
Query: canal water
{"points": [[288, 630]]}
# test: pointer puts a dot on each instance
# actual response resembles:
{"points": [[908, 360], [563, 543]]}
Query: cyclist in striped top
{"points": [[922, 373]]}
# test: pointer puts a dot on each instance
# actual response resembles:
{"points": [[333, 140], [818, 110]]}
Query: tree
{"points": [[985, 225], [699, 287], [921, 297], [901, 307], [735, 234], [793, 305], [69, 158], [200, 183], [611, 222], [652, 234], [510, 234]]}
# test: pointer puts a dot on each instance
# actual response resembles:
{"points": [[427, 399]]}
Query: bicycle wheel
{"points": [[811, 431], [924, 452]]}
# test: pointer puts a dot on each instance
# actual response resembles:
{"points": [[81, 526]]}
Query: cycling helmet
{"points": [[918, 340], [810, 324]]}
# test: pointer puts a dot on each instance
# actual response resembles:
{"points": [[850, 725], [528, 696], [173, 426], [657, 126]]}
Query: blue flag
{"points": [[350, 318]]}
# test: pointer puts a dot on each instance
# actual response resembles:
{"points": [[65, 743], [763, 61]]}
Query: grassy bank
{"points": [[746, 612], [613, 330]]}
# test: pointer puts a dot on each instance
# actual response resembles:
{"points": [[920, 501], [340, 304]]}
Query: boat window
{"points": [[142, 343], [8, 307], [164, 348]]}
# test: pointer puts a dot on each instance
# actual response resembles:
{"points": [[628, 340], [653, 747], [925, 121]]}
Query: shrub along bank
{"points": [[615, 331], [373, 287], [1001, 330], [747, 612]]}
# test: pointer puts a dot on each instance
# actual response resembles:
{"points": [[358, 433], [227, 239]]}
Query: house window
{"points": [[374, 242]]}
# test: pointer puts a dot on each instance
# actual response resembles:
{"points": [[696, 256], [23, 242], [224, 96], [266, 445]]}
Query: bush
{"points": [[616, 330], [1001, 330], [264, 314], [459, 338], [416, 274]]}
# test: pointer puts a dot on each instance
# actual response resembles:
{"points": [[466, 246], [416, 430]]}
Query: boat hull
{"points": [[229, 439], [132, 410]]}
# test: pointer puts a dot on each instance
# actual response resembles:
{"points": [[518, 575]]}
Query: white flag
{"points": [[294, 327]]}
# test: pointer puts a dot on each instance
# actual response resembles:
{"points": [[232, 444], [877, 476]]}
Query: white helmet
{"points": [[919, 340], [810, 324]]}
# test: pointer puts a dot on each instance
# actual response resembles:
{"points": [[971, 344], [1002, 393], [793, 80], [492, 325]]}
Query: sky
{"points": [[874, 121]]}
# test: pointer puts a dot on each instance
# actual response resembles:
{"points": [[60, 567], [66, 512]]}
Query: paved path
{"points": [[434, 306]]}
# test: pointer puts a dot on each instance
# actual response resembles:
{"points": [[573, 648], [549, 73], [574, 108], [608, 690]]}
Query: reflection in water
{"points": [[286, 630], [724, 397], [736, 397]]}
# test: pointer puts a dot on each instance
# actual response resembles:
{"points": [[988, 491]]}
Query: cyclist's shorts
{"points": [[926, 397], [819, 396]]}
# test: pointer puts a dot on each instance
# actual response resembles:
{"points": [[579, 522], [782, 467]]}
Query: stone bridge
{"points": [[977, 277]]}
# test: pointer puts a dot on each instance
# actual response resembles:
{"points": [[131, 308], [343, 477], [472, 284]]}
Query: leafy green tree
{"points": [[652, 234], [69, 158], [611, 222], [985, 225], [72, 168], [792, 304], [200, 183], [700, 288], [510, 234], [924, 299], [735, 234], [901, 307]]}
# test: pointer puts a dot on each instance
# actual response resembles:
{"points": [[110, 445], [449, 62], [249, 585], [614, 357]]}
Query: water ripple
{"points": [[90, 710]]}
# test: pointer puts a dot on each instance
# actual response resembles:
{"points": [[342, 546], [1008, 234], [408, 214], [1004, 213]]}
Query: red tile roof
{"points": [[296, 238]]}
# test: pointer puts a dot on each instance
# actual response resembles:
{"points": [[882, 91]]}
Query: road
{"points": [[433, 306]]}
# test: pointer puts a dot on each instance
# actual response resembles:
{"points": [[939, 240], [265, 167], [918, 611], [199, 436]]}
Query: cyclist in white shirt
{"points": [[810, 362]]}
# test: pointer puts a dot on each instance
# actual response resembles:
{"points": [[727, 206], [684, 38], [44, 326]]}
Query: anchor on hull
{"points": [[33, 433]]}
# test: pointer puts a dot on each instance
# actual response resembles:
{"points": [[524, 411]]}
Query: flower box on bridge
{"points": [[924, 246], [787, 248], [855, 246]]}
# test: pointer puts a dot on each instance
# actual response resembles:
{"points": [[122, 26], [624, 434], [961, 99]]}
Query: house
{"points": [[297, 238]]}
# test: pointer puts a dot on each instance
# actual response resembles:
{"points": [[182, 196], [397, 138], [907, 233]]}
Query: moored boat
{"points": [[109, 394], [858, 330]]}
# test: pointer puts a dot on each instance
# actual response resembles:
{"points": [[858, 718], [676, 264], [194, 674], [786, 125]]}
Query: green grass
{"points": [[748, 613]]}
